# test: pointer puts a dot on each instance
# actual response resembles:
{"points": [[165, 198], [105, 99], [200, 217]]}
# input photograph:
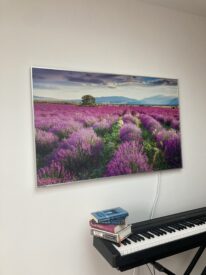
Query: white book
{"points": [[114, 237]]}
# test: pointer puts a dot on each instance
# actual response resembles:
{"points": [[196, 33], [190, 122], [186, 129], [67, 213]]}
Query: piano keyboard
{"points": [[157, 236], [155, 239]]}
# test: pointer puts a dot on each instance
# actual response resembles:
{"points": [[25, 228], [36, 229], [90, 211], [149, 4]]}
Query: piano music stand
{"points": [[190, 267]]}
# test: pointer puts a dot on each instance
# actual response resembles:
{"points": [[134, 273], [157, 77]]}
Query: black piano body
{"points": [[125, 262]]}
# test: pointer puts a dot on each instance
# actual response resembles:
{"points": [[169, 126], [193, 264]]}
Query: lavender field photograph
{"points": [[94, 125]]}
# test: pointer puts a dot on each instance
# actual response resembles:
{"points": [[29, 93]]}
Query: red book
{"points": [[113, 228]]}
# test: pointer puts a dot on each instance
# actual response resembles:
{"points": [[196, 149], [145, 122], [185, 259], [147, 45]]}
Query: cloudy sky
{"points": [[69, 85]]}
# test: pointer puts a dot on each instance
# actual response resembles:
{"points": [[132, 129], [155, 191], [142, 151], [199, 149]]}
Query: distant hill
{"points": [[174, 102], [116, 100], [160, 100], [155, 100]]}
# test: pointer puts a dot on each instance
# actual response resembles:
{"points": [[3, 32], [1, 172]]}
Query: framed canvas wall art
{"points": [[93, 125]]}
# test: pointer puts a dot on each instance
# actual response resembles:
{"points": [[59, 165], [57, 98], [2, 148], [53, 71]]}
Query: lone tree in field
{"points": [[88, 100]]}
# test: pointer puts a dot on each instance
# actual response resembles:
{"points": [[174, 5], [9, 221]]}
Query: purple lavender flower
{"points": [[169, 142], [45, 141], [41, 124], [164, 135], [64, 128], [175, 124], [128, 159], [86, 120], [167, 120], [67, 135], [150, 123], [48, 181], [82, 150], [45, 122], [102, 124], [130, 132], [172, 151], [54, 173], [159, 117], [84, 140], [128, 118]]}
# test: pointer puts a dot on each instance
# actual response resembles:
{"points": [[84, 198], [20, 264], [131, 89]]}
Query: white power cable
{"points": [[156, 196], [156, 199], [149, 269], [153, 211]]}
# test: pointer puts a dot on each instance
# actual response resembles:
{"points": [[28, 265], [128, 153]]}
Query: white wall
{"points": [[45, 231]]}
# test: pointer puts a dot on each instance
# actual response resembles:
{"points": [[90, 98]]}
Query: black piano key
{"points": [[175, 227], [155, 232], [151, 236], [138, 238], [128, 241], [158, 232], [167, 229], [161, 232], [133, 238], [172, 228], [201, 222], [146, 235], [189, 225], [182, 226], [179, 226], [192, 223], [124, 242], [165, 233], [196, 222], [117, 244]]}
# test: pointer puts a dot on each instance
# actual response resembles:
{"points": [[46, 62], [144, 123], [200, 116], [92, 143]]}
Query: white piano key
{"points": [[159, 240]]}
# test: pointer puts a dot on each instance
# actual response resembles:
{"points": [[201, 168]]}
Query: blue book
{"points": [[114, 215]]}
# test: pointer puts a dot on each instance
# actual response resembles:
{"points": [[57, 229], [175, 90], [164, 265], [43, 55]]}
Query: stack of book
{"points": [[110, 224]]}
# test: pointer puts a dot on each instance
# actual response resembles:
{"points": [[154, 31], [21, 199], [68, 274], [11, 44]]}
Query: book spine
{"points": [[113, 221], [106, 236], [105, 227]]}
